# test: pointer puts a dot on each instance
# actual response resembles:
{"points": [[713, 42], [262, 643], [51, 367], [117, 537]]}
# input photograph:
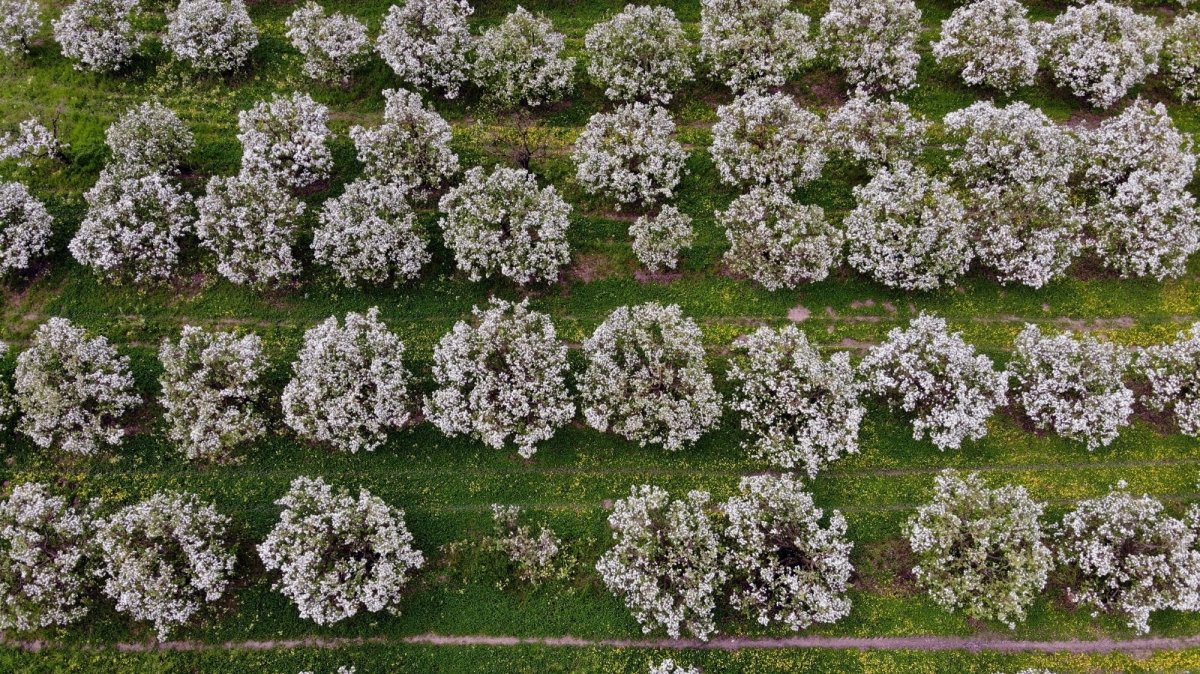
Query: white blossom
{"points": [[250, 225], [211, 35], [25, 228], [212, 391], [1072, 386], [370, 234], [874, 42], [979, 549], [1173, 372], [875, 132], [669, 666], [284, 139], [149, 138], [1181, 56], [754, 44], [658, 238], [766, 139], [502, 223], [1100, 50], [72, 390], [162, 559], [337, 555], [646, 378], [501, 378], [411, 147], [20, 20], [799, 411], [666, 561], [8, 408], [98, 35], [990, 42], [642, 53], [426, 42], [333, 45], [908, 230], [32, 140], [519, 62], [630, 155], [778, 242], [533, 557], [349, 384]]}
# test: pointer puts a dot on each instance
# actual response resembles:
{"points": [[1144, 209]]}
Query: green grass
{"points": [[447, 485]]}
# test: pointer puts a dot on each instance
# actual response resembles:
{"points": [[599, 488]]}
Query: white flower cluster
{"points": [[211, 391], [1017, 166], [214, 36], [778, 242], [1173, 372], [669, 666], [43, 551], [24, 228], [7, 406], [801, 412], [908, 230], [370, 234], [249, 223], [754, 44], [501, 378], [1131, 557], [876, 132], [162, 559], [519, 62], [666, 563], [1072, 386], [132, 228], [641, 53], [337, 555], [72, 390], [646, 379], [533, 557], [630, 155], [20, 20], [1181, 56], [990, 42], [412, 146], [766, 139], [1100, 50], [333, 45], [427, 43], [503, 223], [791, 569], [98, 35], [658, 238], [32, 140], [932, 374], [980, 549], [284, 139], [149, 138], [349, 384], [874, 42]]}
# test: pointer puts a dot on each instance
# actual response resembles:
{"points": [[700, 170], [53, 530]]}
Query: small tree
{"points": [[754, 44], [214, 36], [646, 378], [250, 225], [73, 390], [874, 42], [132, 228], [657, 239], [1100, 50], [519, 62], [333, 45], [503, 223], [349, 384], [801, 412], [640, 54], [1173, 372], [1129, 557], [337, 555], [1072, 386], [669, 666], [98, 35], [793, 569], [149, 138], [501, 378], [766, 139], [31, 141], [25, 228], [43, 559], [990, 42], [778, 242], [284, 139], [908, 230], [666, 561], [1181, 54], [980, 550], [211, 391], [22, 19], [934, 375], [162, 559], [426, 42], [630, 155], [411, 147], [534, 558], [875, 132], [369, 234]]}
